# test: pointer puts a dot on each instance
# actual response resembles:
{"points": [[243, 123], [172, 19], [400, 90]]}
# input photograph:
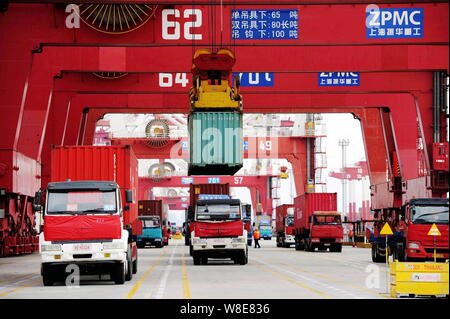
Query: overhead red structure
{"points": [[258, 185], [292, 149], [50, 95], [359, 171]]}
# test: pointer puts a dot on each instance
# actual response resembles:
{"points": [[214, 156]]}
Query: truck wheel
{"points": [[47, 280], [129, 273], [204, 260], [190, 250], [140, 245], [375, 254], [299, 245], [278, 242], [47, 277], [197, 259], [243, 260], [135, 265], [118, 274], [400, 253], [159, 245]]}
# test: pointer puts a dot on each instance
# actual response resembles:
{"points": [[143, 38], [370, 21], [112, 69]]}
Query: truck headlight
{"points": [[413, 246], [113, 245], [239, 240], [55, 247], [198, 241]]}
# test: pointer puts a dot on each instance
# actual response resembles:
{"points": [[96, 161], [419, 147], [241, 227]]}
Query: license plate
{"points": [[81, 247], [220, 241], [327, 244], [439, 255]]}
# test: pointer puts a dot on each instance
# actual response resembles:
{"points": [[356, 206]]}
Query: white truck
{"points": [[84, 226], [218, 230]]}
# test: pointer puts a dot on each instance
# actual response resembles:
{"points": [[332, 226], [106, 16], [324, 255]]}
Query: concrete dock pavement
{"points": [[169, 273]]}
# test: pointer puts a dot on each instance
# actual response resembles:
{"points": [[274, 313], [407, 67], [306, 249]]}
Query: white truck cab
{"points": [[83, 226]]}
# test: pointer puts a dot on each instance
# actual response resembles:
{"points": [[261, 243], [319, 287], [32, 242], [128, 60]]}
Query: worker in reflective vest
{"points": [[351, 236], [256, 236]]}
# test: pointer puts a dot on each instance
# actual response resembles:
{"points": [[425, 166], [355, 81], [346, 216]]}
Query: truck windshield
{"points": [[81, 202], [429, 215], [327, 220], [151, 222], [290, 221], [218, 212]]}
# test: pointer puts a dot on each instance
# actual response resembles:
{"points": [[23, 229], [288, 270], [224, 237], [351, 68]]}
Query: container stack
{"points": [[215, 120]]}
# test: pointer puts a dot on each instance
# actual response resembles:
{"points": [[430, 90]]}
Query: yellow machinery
{"points": [[211, 81], [419, 279]]}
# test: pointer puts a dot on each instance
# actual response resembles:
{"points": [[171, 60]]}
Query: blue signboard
{"points": [[389, 23], [184, 145], [260, 24], [213, 180], [245, 144], [187, 180], [212, 196], [339, 79], [255, 79]]}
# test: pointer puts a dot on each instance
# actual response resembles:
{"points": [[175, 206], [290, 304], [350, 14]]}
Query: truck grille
{"points": [[82, 256], [438, 250], [327, 240], [219, 246]]}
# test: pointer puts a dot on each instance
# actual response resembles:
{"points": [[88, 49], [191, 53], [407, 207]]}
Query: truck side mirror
{"points": [[129, 196], [190, 213], [309, 219], [37, 200]]}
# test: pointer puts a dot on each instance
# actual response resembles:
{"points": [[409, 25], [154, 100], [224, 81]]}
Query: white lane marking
{"points": [[311, 280], [162, 284]]}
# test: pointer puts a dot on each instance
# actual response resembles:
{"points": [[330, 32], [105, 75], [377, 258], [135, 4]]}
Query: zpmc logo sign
{"points": [[389, 23]]}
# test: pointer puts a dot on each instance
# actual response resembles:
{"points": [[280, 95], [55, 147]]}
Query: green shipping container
{"points": [[215, 143]]}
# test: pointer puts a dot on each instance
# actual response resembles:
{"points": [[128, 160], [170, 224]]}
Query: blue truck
{"points": [[152, 233], [264, 225], [153, 216]]}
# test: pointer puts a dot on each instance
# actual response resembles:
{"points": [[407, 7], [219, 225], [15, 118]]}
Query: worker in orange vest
{"points": [[256, 236], [351, 235]]}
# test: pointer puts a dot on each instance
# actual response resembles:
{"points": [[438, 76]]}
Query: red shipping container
{"points": [[212, 189], [99, 163], [154, 208], [150, 207], [306, 204]]}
